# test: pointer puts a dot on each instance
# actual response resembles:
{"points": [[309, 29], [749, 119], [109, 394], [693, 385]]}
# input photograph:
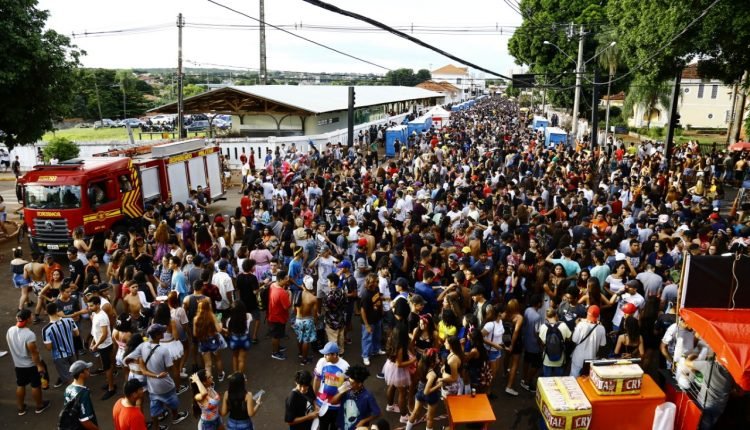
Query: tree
{"points": [[402, 77], [511, 91], [422, 75], [36, 74], [609, 59], [60, 148], [192, 90], [648, 94], [649, 38]]}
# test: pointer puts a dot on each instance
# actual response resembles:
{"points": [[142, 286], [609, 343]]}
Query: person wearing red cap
{"points": [[629, 302], [588, 336]]}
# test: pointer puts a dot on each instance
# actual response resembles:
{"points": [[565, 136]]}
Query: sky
{"points": [[154, 42]]}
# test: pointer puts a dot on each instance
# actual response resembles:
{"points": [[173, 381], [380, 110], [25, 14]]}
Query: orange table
{"points": [[623, 412], [467, 410]]}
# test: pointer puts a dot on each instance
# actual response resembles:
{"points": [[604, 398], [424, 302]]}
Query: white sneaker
{"points": [[393, 408], [404, 419], [381, 352], [366, 360], [511, 391], [3, 353]]}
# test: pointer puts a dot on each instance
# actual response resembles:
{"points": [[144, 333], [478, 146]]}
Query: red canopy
{"points": [[740, 146], [727, 332]]}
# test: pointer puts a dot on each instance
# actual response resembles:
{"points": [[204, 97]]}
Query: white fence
{"points": [[232, 148]]}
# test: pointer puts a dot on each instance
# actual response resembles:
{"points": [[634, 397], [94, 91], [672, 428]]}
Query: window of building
{"points": [[700, 91], [714, 91], [458, 81]]}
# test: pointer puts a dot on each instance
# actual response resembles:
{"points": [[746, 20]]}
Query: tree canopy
{"points": [[407, 77], [37, 74]]}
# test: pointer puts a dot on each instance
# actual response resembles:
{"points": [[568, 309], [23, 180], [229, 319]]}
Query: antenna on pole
{"points": [[263, 72]]}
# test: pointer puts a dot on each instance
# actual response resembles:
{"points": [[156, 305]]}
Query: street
{"points": [[263, 372]]}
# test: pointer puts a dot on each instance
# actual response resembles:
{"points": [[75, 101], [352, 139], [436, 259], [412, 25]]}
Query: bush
{"points": [[656, 132], [60, 148], [678, 131]]}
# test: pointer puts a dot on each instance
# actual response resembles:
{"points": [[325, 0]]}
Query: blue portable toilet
{"points": [[419, 125], [391, 134], [554, 136], [540, 121]]}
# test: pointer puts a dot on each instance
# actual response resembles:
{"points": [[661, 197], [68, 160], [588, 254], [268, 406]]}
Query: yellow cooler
{"points": [[610, 379], [563, 404]]}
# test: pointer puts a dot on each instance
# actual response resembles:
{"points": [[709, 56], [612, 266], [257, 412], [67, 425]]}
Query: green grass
{"points": [[91, 135]]}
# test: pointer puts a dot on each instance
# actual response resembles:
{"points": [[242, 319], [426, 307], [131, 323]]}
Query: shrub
{"points": [[60, 148]]}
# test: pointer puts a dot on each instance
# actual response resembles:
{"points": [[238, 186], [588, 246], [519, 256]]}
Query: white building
{"points": [[470, 84], [704, 103]]}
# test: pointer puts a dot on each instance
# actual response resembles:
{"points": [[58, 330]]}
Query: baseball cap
{"points": [[714, 216], [453, 257], [307, 281], [629, 309], [330, 348], [346, 264], [155, 329], [361, 263], [634, 283], [466, 250], [79, 366], [402, 282], [593, 313]]}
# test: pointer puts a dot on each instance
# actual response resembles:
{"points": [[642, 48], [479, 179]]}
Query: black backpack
{"points": [[70, 416], [554, 346]]}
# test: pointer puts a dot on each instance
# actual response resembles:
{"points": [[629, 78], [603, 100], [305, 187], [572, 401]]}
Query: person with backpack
{"points": [[553, 335], [78, 410]]}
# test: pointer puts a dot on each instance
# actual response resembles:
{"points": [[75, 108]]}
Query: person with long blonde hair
{"points": [[207, 332]]}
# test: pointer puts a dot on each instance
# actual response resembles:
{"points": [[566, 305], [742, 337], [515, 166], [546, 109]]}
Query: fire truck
{"points": [[109, 191]]}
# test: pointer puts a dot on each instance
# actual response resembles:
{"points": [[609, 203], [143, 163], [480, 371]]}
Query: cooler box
{"points": [[616, 379], [563, 404]]}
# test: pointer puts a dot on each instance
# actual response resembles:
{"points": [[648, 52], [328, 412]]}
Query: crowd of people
{"points": [[475, 261]]}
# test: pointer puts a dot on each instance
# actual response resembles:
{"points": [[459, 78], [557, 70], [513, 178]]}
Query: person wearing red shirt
{"points": [[126, 414], [279, 302], [246, 206]]}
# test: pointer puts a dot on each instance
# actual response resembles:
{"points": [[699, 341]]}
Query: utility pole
{"points": [[262, 28], [738, 110], [594, 135], [98, 102], [180, 99], [673, 116], [579, 73]]}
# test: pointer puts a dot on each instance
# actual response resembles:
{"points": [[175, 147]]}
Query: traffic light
{"points": [[351, 96], [676, 120]]}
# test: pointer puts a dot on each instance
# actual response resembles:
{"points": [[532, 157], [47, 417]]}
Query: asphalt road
{"points": [[275, 377]]}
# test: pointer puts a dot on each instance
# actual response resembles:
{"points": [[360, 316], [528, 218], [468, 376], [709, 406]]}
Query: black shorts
{"points": [[534, 359], [277, 330], [106, 355], [28, 376]]}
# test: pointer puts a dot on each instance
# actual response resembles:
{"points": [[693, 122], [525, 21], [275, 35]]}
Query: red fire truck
{"points": [[109, 191]]}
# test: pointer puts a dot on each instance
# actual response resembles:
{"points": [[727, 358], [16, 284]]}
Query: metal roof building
{"points": [[288, 110]]}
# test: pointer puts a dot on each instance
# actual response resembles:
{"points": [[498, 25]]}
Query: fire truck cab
{"points": [[109, 192]]}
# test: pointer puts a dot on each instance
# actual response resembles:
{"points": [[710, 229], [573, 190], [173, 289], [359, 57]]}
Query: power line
{"points": [[401, 34], [122, 31], [298, 36]]}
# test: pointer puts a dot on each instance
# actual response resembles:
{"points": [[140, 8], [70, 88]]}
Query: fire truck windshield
{"points": [[53, 196]]}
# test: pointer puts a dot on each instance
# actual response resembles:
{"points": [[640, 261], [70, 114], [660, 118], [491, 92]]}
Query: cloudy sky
{"points": [[149, 38]]}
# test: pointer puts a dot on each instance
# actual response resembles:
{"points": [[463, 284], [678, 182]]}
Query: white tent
{"points": [[439, 115]]}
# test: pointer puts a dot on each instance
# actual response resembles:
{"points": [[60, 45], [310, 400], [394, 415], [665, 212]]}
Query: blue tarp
{"points": [[391, 134]]}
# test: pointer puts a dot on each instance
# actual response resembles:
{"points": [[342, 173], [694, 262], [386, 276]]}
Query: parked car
{"points": [[221, 124], [158, 119], [105, 123], [132, 122], [197, 126], [83, 125]]}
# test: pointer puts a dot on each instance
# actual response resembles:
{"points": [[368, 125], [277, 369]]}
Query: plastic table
{"points": [[469, 410]]}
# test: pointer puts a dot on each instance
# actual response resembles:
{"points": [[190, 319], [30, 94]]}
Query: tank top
{"points": [[17, 269], [210, 409], [238, 409]]}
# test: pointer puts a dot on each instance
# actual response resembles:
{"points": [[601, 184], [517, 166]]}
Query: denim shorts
{"points": [[209, 425], [494, 355], [160, 402], [239, 424], [237, 342]]}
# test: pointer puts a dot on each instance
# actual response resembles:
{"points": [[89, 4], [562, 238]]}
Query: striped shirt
{"points": [[60, 334]]}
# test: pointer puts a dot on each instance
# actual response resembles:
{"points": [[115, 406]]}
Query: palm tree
{"points": [[609, 59], [644, 91]]}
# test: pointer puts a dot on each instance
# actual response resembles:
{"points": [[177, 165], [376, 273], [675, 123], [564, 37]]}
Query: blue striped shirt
{"points": [[60, 334]]}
